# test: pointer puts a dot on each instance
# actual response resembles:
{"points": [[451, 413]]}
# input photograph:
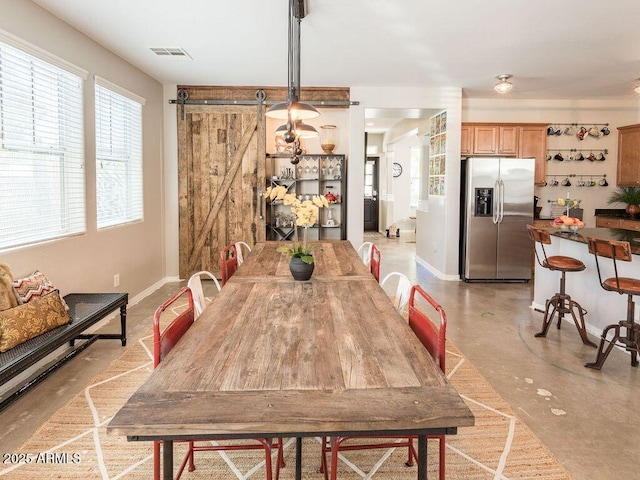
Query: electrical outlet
{"points": [[116, 280]]}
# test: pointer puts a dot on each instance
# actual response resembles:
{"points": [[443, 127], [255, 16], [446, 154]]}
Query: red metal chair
{"points": [[374, 263], [163, 342], [433, 337], [228, 262], [630, 339]]}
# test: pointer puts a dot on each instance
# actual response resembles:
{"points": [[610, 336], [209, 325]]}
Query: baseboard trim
{"points": [[436, 272]]}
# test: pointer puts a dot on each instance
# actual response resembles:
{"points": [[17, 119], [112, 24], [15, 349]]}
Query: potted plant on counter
{"points": [[628, 195]]}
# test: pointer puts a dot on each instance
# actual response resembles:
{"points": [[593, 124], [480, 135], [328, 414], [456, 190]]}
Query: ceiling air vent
{"points": [[170, 52]]}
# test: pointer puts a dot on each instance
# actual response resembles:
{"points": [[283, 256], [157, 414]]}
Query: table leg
{"points": [[167, 459], [123, 324], [422, 457], [298, 458]]}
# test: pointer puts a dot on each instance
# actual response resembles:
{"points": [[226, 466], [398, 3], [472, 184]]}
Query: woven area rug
{"points": [[73, 444]]}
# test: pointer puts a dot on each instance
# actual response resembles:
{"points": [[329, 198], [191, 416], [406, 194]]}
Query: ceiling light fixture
{"points": [[300, 129], [503, 86], [637, 89], [293, 110]]}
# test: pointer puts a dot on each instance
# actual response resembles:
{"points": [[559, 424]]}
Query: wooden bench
{"points": [[85, 309]]}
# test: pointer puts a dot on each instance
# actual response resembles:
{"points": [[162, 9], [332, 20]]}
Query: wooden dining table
{"points": [[274, 357]]}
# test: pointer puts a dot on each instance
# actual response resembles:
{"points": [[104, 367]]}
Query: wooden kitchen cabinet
{"points": [[508, 140], [629, 155], [485, 140], [630, 224], [613, 222], [607, 222], [533, 143], [466, 140], [524, 140]]}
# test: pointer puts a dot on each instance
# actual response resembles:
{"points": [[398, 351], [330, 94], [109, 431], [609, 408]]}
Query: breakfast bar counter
{"points": [[603, 308]]}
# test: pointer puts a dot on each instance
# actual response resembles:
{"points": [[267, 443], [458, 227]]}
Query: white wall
{"points": [[401, 186], [88, 262], [616, 113]]}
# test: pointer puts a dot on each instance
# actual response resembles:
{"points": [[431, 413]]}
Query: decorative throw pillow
{"points": [[7, 294], [35, 285], [41, 314]]}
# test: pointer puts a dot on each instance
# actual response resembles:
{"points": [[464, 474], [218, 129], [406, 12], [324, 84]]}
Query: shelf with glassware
{"points": [[320, 174]]}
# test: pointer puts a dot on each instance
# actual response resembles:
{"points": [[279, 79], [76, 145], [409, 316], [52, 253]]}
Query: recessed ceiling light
{"points": [[503, 86]]}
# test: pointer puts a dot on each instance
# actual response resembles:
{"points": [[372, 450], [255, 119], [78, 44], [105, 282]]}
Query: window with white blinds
{"points": [[42, 179], [118, 156]]}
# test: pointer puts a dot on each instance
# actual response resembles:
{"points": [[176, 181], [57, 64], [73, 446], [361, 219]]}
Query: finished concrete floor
{"points": [[589, 419]]}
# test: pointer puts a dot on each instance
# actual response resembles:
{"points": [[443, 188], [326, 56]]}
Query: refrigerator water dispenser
{"points": [[484, 202]]}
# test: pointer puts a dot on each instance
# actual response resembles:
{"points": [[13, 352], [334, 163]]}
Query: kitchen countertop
{"points": [[613, 213], [581, 236]]}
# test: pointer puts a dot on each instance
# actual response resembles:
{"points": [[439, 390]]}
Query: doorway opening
{"points": [[371, 213]]}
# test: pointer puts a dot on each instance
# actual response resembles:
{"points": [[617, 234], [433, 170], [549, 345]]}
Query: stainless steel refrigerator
{"points": [[497, 204]]}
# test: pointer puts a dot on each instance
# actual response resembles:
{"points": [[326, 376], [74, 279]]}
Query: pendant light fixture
{"points": [[293, 110], [503, 86], [300, 130]]}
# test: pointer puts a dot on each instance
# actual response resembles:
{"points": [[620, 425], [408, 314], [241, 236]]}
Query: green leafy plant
{"points": [[298, 250], [628, 195], [306, 213]]}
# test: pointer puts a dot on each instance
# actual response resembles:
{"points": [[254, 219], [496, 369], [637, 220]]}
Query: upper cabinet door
{"points": [[508, 140], [533, 143], [466, 141], [485, 140], [629, 156]]}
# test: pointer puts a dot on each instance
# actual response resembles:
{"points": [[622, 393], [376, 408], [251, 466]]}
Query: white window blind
{"points": [[118, 156], [42, 194]]}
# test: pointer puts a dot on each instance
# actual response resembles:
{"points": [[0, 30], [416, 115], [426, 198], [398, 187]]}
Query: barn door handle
{"points": [[261, 202]]}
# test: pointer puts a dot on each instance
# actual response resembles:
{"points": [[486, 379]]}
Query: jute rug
{"points": [[73, 444]]}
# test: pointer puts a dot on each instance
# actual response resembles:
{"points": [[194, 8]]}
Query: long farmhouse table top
{"points": [[274, 357]]}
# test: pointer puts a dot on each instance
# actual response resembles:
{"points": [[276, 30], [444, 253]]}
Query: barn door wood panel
{"points": [[221, 171]]}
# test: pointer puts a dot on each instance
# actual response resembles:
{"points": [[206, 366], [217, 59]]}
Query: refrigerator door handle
{"points": [[501, 201], [496, 202]]}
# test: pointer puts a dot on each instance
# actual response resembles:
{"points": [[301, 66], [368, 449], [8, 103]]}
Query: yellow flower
{"points": [[306, 213]]}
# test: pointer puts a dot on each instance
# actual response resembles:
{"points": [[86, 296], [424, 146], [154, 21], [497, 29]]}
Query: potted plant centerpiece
{"points": [[306, 213], [628, 195]]}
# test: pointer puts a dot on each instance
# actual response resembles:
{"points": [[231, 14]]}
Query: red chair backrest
{"points": [[431, 333], [228, 262], [374, 264], [164, 341]]}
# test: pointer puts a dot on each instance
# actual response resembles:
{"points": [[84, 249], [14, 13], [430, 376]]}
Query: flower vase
{"points": [[300, 270], [328, 138], [330, 221]]}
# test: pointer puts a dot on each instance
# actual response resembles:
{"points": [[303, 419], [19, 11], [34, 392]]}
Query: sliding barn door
{"points": [[221, 171]]}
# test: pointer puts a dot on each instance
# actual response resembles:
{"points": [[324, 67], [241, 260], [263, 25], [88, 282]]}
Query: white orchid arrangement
{"points": [[306, 213]]}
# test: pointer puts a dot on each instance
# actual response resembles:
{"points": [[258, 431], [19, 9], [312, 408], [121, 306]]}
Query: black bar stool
{"points": [[617, 250], [561, 302]]}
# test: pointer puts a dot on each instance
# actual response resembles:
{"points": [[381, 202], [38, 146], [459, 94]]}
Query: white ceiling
{"points": [[565, 49]]}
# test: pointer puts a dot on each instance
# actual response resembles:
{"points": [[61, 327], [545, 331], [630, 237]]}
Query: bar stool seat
{"points": [[627, 286], [629, 339], [561, 303], [560, 262]]}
